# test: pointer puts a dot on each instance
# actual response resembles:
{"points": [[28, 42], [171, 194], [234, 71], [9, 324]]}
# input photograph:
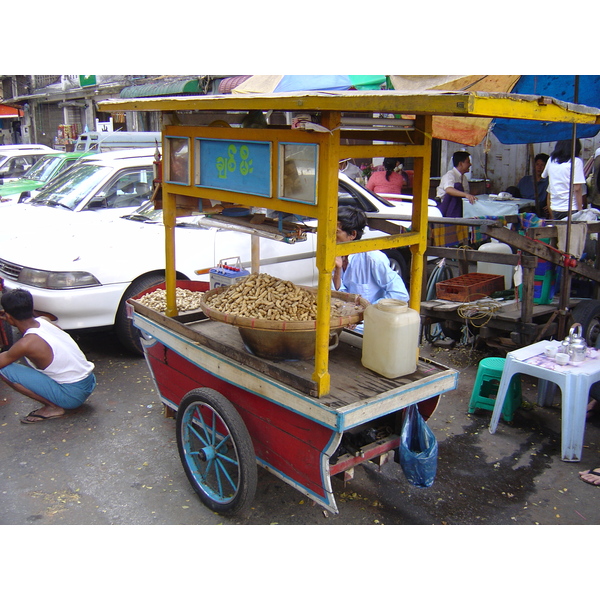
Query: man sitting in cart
{"points": [[60, 377], [368, 273]]}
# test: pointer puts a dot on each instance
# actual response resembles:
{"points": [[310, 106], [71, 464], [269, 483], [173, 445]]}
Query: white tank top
{"points": [[69, 364]]}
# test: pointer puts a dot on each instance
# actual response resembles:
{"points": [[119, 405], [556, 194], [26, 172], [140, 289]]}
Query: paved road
{"points": [[116, 462]]}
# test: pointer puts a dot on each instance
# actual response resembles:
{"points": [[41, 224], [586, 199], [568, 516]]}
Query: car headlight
{"points": [[54, 280]]}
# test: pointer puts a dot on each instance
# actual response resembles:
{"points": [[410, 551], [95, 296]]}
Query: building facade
{"points": [[57, 108]]}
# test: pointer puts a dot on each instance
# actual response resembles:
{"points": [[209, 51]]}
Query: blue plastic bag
{"points": [[418, 450]]}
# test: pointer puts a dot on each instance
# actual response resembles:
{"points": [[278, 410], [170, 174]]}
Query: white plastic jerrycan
{"points": [[390, 338]]}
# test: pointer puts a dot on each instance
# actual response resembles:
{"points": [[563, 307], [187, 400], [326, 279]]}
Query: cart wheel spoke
{"points": [[200, 427], [225, 473], [193, 429], [216, 451]]}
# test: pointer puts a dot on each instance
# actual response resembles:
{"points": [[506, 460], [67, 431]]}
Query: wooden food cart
{"points": [[235, 409]]}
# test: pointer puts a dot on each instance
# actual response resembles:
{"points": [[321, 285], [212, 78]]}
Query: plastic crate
{"points": [[469, 287]]}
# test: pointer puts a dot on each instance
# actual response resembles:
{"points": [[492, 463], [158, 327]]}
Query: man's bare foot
{"points": [[43, 414], [592, 476]]}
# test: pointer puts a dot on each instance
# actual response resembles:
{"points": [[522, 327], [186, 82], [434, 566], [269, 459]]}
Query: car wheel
{"points": [[127, 333], [400, 264]]}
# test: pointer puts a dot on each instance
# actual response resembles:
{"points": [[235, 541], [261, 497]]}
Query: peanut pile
{"points": [[185, 300], [262, 296]]}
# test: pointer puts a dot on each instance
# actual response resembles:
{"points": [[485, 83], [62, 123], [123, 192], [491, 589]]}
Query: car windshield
{"points": [[43, 168], [146, 212], [347, 196], [72, 187]]}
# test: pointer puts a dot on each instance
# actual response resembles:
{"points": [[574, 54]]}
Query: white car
{"points": [[81, 267], [16, 159], [120, 181]]}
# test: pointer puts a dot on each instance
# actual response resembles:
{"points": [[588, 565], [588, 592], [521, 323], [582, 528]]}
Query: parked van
{"points": [[106, 141]]}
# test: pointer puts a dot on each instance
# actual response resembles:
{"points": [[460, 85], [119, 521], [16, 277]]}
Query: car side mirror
{"points": [[98, 201]]}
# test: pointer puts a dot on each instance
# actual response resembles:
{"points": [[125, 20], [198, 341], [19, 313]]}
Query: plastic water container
{"points": [[390, 338], [496, 269]]}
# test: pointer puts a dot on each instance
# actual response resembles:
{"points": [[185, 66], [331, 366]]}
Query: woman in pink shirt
{"points": [[388, 181]]}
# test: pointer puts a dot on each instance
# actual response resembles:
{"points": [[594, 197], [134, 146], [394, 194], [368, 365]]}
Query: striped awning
{"points": [[230, 83], [9, 111]]}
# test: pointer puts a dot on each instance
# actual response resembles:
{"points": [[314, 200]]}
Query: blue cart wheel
{"points": [[216, 451]]}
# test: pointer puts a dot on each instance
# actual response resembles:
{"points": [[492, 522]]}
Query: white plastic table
{"points": [[574, 381]]}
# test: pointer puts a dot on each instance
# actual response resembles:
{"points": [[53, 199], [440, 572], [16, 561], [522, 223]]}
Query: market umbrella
{"points": [[266, 84]]}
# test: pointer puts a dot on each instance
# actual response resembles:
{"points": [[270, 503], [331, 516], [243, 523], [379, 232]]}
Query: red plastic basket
{"points": [[467, 288]]}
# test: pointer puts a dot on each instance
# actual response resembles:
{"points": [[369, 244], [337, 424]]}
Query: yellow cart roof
{"points": [[467, 104]]}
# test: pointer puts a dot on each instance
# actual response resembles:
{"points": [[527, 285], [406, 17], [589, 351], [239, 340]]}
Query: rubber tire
{"points": [[399, 264], [587, 313], [246, 479], [8, 333], [129, 335]]}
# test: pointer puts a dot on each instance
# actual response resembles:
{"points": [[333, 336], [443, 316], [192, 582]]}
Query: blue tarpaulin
{"points": [[561, 87]]}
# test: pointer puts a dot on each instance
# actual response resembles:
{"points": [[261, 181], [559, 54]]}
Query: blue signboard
{"points": [[234, 165]]}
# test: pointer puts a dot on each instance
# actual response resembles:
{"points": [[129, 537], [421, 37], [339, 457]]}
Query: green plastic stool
{"points": [[486, 386]]}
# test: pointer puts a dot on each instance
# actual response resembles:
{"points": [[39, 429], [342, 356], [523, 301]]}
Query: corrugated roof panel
{"points": [[148, 90]]}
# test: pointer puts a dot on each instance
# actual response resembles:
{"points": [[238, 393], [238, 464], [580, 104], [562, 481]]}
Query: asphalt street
{"points": [[115, 462]]}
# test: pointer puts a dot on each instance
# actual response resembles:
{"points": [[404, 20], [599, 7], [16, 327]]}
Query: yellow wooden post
{"points": [[169, 217], [327, 191], [422, 167]]}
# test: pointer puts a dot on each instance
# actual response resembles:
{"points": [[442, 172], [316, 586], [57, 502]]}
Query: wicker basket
{"points": [[286, 340]]}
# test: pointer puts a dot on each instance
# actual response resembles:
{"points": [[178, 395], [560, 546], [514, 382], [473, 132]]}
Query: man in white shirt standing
{"points": [[454, 186]]}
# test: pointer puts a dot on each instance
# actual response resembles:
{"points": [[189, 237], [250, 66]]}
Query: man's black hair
{"points": [[352, 219], [541, 156], [459, 157], [18, 304], [562, 151]]}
